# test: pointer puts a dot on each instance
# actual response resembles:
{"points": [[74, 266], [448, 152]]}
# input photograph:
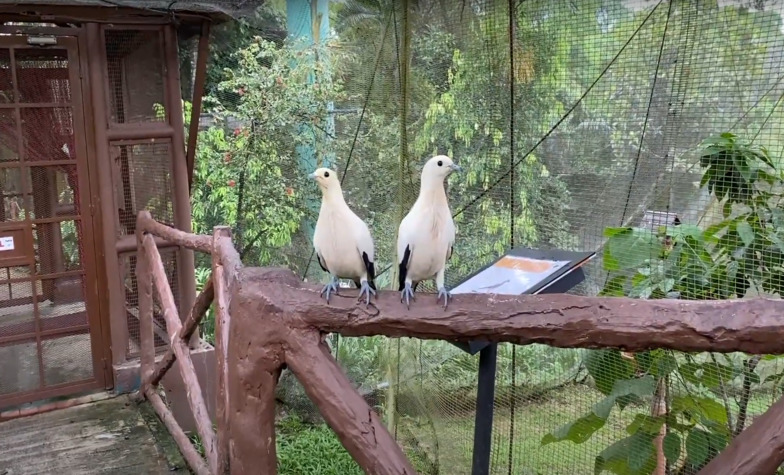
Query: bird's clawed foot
{"points": [[367, 290], [446, 294], [407, 294], [331, 287]]}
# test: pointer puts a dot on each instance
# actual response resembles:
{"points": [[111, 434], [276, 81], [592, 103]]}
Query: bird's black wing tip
{"points": [[370, 267], [321, 262], [403, 268]]}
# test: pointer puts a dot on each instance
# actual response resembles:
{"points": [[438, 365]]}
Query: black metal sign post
{"points": [[485, 399], [562, 281]]}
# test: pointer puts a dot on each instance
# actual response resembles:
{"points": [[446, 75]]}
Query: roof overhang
{"points": [[120, 11]]}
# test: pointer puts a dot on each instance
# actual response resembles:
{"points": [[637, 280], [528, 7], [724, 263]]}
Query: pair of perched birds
{"points": [[345, 249]]}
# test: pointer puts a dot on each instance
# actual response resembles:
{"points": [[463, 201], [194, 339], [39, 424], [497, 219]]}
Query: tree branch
{"points": [[748, 367], [723, 390]]}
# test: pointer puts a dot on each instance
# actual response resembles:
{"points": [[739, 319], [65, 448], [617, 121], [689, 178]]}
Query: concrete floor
{"points": [[114, 436]]}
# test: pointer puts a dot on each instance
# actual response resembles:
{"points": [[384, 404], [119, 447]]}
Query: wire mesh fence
{"points": [[648, 131]]}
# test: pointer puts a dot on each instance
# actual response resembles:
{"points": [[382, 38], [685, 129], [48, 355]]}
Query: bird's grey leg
{"points": [[407, 294], [441, 289], [366, 290], [331, 287]]}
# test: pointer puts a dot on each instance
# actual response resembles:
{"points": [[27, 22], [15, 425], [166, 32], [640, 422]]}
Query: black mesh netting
{"points": [[649, 131]]}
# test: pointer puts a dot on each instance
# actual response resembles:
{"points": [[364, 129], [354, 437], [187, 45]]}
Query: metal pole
{"points": [[485, 397]]}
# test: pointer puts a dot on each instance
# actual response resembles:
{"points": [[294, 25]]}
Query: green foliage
{"points": [[303, 449], [249, 175], [726, 260], [207, 326], [733, 168], [315, 449], [463, 122], [624, 391], [631, 455], [70, 237]]}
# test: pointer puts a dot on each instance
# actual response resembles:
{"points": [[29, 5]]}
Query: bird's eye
{"points": [[326, 174], [440, 163]]}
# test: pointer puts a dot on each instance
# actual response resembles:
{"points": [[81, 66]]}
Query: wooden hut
{"points": [[91, 132]]}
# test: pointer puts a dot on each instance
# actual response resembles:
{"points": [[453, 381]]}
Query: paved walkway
{"points": [[114, 436]]}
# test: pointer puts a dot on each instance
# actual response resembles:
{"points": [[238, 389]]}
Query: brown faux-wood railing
{"points": [[267, 318], [151, 275]]}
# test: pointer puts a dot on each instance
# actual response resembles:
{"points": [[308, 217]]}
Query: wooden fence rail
{"points": [[267, 318], [151, 275]]}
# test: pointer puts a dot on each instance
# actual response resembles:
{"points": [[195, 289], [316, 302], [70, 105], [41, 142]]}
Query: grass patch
{"points": [[445, 442], [533, 418], [304, 448]]}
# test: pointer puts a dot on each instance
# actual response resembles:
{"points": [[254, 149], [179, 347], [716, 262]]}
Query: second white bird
{"points": [[427, 233]]}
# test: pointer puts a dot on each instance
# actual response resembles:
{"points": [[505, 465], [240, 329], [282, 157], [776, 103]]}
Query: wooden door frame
{"points": [[81, 107], [87, 63]]}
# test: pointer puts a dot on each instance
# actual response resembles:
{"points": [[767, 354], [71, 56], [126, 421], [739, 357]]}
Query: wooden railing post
{"points": [[222, 323], [149, 381], [144, 281], [182, 352]]}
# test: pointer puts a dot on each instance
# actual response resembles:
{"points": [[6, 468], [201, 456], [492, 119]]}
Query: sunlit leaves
{"points": [[247, 172]]}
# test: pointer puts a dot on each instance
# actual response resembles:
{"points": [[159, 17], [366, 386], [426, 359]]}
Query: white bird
{"points": [[343, 244], [427, 233]]}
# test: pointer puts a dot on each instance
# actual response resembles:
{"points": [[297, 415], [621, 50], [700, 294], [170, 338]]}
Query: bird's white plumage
{"points": [[428, 231], [340, 237]]}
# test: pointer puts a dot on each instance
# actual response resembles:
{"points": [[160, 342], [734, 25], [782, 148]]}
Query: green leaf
{"points": [[717, 441], [606, 367], [645, 423], [632, 455], [665, 365], [714, 375], [614, 287], [608, 261], [689, 372], [602, 408], [667, 284], [727, 208], [583, 428], [640, 451], [697, 445], [632, 247], [623, 392], [646, 358], [705, 177], [672, 446], [709, 410], [745, 232], [578, 431], [691, 230]]}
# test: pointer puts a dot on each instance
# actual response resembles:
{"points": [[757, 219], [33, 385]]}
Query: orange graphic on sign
{"points": [[523, 264]]}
